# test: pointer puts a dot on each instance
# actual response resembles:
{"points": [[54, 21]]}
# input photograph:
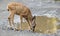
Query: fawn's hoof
{"points": [[10, 28], [16, 29]]}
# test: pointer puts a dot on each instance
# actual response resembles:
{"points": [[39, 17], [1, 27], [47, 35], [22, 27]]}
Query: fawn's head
{"points": [[33, 25]]}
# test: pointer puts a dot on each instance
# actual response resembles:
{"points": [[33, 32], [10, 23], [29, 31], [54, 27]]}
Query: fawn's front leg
{"points": [[29, 27]]}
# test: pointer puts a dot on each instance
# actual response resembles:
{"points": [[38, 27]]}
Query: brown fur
{"points": [[21, 10]]}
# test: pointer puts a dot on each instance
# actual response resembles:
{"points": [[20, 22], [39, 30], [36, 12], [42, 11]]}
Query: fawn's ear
{"points": [[33, 17]]}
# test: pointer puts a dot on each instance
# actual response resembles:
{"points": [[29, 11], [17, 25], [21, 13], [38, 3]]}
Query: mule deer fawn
{"points": [[22, 11]]}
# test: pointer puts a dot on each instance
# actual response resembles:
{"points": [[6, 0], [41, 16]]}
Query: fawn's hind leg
{"points": [[11, 20]]}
